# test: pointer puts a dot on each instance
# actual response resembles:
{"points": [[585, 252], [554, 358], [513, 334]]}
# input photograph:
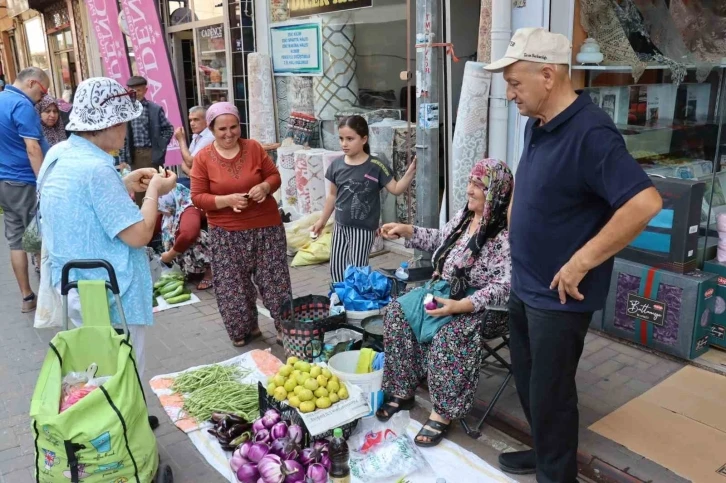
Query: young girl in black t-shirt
{"points": [[356, 180]]}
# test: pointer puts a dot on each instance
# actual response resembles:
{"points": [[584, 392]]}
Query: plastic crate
{"points": [[292, 416]]}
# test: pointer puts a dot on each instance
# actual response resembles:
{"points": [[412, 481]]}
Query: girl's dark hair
{"points": [[360, 126]]}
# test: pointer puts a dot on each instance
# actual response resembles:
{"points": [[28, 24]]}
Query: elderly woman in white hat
{"points": [[86, 209]]}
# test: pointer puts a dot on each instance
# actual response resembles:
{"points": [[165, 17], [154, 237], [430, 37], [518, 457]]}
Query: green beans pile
{"points": [[189, 382], [216, 389], [230, 397]]}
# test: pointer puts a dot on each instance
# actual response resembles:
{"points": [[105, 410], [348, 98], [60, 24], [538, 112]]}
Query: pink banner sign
{"points": [[153, 63], [104, 17]]}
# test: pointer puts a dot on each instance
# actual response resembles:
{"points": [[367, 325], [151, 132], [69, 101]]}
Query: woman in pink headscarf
{"points": [[233, 180]]}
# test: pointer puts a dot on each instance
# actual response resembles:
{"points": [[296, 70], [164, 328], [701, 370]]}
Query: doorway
{"points": [[183, 53]]}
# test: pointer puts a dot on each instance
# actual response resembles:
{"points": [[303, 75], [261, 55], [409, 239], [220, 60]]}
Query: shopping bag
{"points": [[48, 311], [363, 289], [106, 435], [31, 237]]}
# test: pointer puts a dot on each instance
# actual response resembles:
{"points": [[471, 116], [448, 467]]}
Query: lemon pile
{"points": [[306, 386]]}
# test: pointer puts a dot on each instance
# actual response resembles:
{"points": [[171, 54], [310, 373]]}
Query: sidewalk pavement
{"points": [[610, 374]]}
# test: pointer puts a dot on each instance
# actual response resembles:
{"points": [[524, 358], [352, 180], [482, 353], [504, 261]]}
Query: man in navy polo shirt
{"points": [[22, 148], [579, 198]]}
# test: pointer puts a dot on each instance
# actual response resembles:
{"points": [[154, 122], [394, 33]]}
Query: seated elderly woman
{"points": [[182, 235], [471, 273]]}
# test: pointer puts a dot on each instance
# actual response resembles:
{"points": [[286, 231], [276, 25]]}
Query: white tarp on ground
{"points": [[447, 460]]}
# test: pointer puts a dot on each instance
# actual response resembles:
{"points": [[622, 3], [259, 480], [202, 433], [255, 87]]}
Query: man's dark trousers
{"points": [[545, 347]]}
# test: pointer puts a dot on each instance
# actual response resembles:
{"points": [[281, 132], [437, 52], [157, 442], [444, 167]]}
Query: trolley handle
{"points": [[66, 286]]}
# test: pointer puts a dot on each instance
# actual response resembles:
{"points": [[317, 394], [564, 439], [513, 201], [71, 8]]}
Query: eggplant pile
{"points": [[230, 430]]}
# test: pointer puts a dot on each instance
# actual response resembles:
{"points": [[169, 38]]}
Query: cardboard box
{"points": [[650, 140], [718, 324], [662, 310], [670, 241], [695, 169], [707, 250], [661, 102], [612, 100], [678, 424]]}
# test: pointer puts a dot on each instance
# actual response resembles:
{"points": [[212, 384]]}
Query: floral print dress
{"points": [[197, 257], [451, 362]]}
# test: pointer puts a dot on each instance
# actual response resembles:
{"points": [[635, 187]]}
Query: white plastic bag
{"points": [[371, 432], [48, 312], [397, 457]]}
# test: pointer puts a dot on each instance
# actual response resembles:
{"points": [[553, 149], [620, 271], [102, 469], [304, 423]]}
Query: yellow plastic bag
{"points": [[314, 252], [298, 231]]}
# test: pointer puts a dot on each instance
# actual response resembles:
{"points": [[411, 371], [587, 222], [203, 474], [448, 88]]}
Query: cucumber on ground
{"points": [[179, 299], [155, 302], [171, 287], [174, 293]]}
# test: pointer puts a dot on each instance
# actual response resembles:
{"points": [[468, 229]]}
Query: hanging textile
{"points": [[484, 48], [262, 105], [702, 26], [599, 20], [310, 180], [337, 88], [470, 133], [286, 166]]}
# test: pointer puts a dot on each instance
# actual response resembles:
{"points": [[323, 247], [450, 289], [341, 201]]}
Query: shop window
{"points": [[179, 12], [37, 51], [211, 43], [208, 9], [364, 51], [665, 95]]}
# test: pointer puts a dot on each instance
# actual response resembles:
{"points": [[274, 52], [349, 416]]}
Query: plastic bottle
{"points": [[402, 271], [339, 455]]}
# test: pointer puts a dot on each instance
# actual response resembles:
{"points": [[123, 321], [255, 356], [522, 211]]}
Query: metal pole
{"points": [[429, 65]]}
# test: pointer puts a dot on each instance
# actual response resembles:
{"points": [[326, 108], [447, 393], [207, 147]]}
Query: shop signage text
{"points": [[302, 8], [152, 61], [111, 42], [214, 32], [296, 48], [653, 311]]}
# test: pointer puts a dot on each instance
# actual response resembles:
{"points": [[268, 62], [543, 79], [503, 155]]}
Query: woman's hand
{"points": [[163, 183], [139, 179], [168, 257], [259, 193], [451, 307], [237, 202], [394, 231]]}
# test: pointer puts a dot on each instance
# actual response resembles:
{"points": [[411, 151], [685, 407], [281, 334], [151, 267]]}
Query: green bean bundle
{"points": [[190, 381], [230, 397]]}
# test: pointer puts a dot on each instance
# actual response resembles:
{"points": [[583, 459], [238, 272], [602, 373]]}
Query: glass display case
{"points": [[211, 43], [673, 130]]}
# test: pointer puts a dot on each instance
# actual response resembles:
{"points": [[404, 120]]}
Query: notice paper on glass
{"points": [[297, 48]]}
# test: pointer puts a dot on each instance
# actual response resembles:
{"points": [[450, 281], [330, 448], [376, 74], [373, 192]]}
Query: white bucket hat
{"points": [[100, 103], [534, 45]]}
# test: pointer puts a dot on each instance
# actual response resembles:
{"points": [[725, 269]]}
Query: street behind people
{"points": [[22, 146], [579, 199], [232, 181], [201, 137], [87, 212], [356, 181], [182, 236], [472, 272], [147, 136]]}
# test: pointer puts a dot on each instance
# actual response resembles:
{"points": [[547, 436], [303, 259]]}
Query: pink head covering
{"points": [[220, 108]]}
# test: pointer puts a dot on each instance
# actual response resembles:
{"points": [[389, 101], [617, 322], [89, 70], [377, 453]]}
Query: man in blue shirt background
{"points": [[22, 148], [579, 198]]}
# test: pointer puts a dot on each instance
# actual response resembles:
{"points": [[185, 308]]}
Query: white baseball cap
{"points": [[534, 45]]}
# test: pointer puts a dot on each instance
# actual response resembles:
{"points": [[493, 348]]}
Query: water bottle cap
{"points": [[338, 433], [404, 264]]}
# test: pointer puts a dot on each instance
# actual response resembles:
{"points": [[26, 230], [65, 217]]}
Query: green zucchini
{"points": [[178, 299], [155, 302], [178, 291]]}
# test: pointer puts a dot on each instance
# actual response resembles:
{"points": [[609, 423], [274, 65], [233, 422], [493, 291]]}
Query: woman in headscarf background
{"points": [[182, 236], [472, 272], [232, 181], [50, 120]]}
